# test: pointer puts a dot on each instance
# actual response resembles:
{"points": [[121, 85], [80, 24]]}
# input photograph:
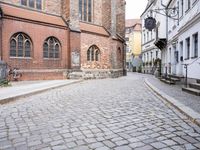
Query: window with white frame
{"points": [[187, 46]]}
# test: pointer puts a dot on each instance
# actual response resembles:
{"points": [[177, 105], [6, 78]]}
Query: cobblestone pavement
{"points": [[119, 114]]}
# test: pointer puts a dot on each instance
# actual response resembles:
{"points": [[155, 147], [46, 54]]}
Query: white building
{"points": [[150, 52], [183, 40]]}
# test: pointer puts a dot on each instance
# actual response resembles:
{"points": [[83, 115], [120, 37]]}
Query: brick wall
{"points": [[38, 35], [102, 43], [120, 17], [73, 42], [106, 14], [15, 2], [49, 6], [52, 6], [110, 58], [97, 18]]}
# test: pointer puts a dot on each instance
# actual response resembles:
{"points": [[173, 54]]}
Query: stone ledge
{"points": [[190, 113]]}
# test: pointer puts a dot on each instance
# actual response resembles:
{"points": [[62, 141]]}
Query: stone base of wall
{"points": [[41, 75], [69, 74], [96, 74]]}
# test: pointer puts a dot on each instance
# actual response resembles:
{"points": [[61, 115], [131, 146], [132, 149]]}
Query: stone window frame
{"points": [[93, 53], [86, 9], [52, 48], [37, 4], [21, 46]]}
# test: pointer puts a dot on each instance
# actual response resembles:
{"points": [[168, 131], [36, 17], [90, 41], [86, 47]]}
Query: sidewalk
{"points": [[186, 103], [26, 88]]}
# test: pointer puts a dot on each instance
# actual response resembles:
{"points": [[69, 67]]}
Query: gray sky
{"points": [[134, 8]]}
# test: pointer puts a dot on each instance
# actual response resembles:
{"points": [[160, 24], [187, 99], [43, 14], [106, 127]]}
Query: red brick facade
{"points": [[75, 37]]}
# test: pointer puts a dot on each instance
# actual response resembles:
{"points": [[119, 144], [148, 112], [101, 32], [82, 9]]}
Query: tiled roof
{"points": [[32, 15], [132, 22], [93, 28]]}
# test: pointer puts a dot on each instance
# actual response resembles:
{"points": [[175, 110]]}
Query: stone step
{"points": [[175, 76], [195, 86], [192, 91], [175, 79], [167, 81], [198, 81]]}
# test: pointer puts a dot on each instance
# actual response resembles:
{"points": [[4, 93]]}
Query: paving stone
{"points": [[94, 115], [96, 145], [109, 144], [34, 143], [146, 147], [189, 147], [122, 142], [71, 144], [158, 145], [123, 148], [59, 147], [169, 142], [135, 145]]}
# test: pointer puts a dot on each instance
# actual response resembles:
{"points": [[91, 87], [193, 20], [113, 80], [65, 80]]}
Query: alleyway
{"points": [[119, 114]]}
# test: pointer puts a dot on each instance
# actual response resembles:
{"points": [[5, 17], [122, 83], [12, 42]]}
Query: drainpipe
{"points": [[1, 34]]}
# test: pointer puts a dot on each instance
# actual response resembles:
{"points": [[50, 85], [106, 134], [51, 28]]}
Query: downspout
{"points": [[1, 34], [1, 47]]}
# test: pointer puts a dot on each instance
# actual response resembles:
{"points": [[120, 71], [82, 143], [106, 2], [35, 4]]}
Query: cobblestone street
{"points": [[118, 114]]}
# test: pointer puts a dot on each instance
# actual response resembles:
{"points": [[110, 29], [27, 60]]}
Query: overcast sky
{"points": [[134, 8]]}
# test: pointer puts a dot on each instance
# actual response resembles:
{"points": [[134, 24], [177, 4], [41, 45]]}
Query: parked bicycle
{"points": [[13, 74]]}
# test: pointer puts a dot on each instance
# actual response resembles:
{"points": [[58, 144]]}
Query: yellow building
{"points": [[133, 41]]}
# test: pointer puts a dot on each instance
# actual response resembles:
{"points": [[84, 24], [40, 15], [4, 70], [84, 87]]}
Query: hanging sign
{"points": [[150, 23]]}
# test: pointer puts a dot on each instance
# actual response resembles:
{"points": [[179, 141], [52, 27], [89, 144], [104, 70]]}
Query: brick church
{"points": [[57, 39]]}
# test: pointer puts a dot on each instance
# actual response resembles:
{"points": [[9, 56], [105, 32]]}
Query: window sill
{"points": [[186, 58], [21, 58], [51, 59]]}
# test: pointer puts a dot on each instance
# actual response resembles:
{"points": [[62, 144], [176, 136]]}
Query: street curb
{"points": [[191, 114], [14, 98]]}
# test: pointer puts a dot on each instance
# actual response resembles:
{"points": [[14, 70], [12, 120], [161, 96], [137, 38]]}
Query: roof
{"points": [[93, 28], [24, 13], [134, 23]]}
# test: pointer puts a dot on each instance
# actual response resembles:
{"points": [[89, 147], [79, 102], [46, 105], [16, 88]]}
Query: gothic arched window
{"points": [[93, 53], [51, 48], [20, 45]]}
